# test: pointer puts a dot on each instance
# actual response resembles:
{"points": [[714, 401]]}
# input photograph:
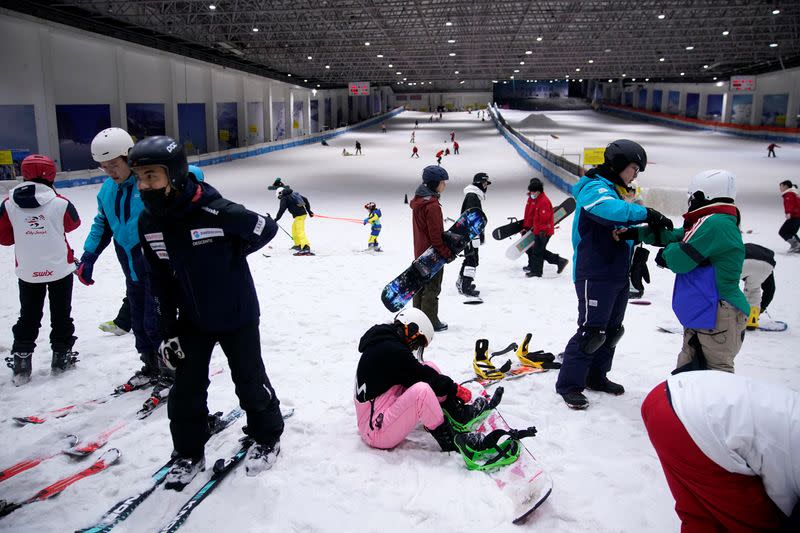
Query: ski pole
{"points": [[355, 220], [286, 232]]}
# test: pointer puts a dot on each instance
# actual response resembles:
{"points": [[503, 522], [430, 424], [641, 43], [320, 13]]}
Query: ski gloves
{"points": [[657, 221], [639, 271], [85, 268], [171, 352], [463, 394]]}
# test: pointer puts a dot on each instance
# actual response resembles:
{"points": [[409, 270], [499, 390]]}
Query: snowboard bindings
{"points": [[494, 450], [537, 359]]}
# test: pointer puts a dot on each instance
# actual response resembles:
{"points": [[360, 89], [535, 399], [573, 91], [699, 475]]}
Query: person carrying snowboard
{"points": [[791, 206], [396, 390], [35, 219], [539, 219], [299, 207], [474, 195], [374, 220], [428, 227], [600, 272], [196, 245]]}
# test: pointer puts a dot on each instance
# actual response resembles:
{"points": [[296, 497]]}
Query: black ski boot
{"points": [[575, 400], [20, 364], [466, 287], [143, 377], [604, 385], [63, 360], [562, 264], [466, 416], [445, 436]]}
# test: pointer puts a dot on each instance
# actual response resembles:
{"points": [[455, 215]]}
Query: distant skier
{"points": [[439, 155], [416, 124], [771, 149], [540, 220], [415, 152], [35, 219], [396, 391], [196, 245], [447, 151], [413, 137], [455, 147], [759, 280], [358, 148], [345, 152], [791, 206], [474, 195], [383, 127], [728, 448], [374, 220], [324, 142], [452, 136], [299, 207]]}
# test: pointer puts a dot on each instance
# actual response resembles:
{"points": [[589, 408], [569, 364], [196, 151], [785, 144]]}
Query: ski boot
{"points": [[112, 327], [63, 360], [261, 457], [752, 320], [444, 436], [20, 364], [183, 472], [159, 393], [537, 359], [575, 400], [482, 364], [794, 245], [562, 264], [464, 417], [143, 377], [488, 452], [466, 287], [296, 248], [440, 326], [603, 384]]}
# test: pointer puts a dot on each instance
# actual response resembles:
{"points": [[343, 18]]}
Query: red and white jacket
{"points": [[539, 215], [35, 219], [791, 202]]}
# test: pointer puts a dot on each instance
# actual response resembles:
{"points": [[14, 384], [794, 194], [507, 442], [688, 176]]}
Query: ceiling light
{"points": [[494, 81], [773, 45], [776, 11], [661, 59], [452, 54], [690, 47], [609, 81], [577, 70], [456, 72], [255, 30], [633, 79], [516, 70], [580, 79], [715, 77], [705, 66], [398, 72], [505, 82], [624, 75], [538, 38], [462, 81], [289, 75], [327, 66], [683, 73], [647, 79], [390, 65], [720, 83], [318, 85], [607, 50], [212, 7], [535, 81], [726, 32], [528, 52], [380, 55], [448, 23], [310, 58], [451, 41], [512, 77], [404, 79], [591, 61], [521, 62], [306, 81], [567, 76]]}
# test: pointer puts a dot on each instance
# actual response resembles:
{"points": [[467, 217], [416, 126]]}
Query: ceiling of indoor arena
{"points": [[331, 42]]}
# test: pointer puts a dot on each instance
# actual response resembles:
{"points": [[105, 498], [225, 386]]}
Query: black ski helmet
{"points": [[163, 151], [480, 178], [535, 185], [622, 152]]}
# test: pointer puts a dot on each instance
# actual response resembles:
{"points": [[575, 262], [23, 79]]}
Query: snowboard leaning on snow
{"points": [[763, 325], [398, 292], [521, 245]]}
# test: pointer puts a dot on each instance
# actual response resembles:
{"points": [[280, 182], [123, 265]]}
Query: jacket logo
{"points": [[205, 233], [171, 147], [150, 237], [158, 246], [43, 274], [259, 225], [209, 210], [35, 222], [162, 254]]}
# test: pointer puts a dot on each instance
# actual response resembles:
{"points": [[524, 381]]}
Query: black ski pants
{"points": [[31, 299], [538, 254], [789, 228], [187, 407], [123, 320]]}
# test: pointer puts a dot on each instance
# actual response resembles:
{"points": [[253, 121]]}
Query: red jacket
{"points": [[440, 153], [539, 214], [791, 202], [428, 225]]}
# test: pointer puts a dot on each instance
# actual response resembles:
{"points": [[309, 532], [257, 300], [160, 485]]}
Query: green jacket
{"points": [[714, 239]]}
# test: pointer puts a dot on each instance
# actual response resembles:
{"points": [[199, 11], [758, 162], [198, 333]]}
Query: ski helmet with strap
{"points": [[370, 206], [165, 152], [716, 184], [622, 152], [110, 144], [417, 327]]}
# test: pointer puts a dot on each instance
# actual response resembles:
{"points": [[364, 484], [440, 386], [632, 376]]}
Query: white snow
{"points": [[314, 310]]}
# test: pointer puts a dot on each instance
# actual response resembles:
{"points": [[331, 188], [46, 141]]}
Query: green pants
{"points": [[427, 299]]}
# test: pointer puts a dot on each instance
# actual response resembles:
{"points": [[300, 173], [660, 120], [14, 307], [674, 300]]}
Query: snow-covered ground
{"points": [[314, 309]]}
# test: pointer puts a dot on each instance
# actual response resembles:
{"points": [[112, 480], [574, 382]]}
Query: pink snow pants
{"points": [[397, 412]]}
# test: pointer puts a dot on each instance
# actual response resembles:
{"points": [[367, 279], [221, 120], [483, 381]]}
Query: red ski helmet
{"points": [[39, 166]]}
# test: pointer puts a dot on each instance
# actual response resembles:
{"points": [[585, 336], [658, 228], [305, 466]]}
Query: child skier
{"points": [[395, 390], [298, 207], [374, 219], [539, 219], [474, 194], [415, 152], [455, 147], [35, 220], [759, 280], [791, 205]]}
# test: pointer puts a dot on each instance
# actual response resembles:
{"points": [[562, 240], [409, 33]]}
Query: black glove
{"points": [[660, 261], [171, 352], [639, 271], [628, 234], [657, 221]]}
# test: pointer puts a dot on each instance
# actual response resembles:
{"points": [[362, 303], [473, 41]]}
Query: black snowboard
{"points": [[560, 212]]}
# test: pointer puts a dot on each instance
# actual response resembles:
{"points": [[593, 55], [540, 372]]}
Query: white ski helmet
{"points": [[713, 184], [110, 144], [416, 323], [279, 192]]}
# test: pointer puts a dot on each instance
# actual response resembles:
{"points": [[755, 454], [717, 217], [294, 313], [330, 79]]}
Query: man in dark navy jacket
{"points": [[196, 245]]}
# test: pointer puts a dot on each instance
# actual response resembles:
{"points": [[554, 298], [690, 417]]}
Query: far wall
{"points": [[450, 100]]}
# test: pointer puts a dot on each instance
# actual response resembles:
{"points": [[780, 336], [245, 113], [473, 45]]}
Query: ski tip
{"points": [[110, 456], [25, 420]]}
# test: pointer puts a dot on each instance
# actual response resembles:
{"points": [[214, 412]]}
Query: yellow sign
{"points": [[295, 125], [253, 129], [5, 157], [593, 156], [224, 135]]}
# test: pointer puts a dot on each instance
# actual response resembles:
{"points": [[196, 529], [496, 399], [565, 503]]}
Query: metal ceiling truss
{"points": [[589, 39]]}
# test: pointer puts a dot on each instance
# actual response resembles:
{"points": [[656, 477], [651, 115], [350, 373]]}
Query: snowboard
{"points": [[398, 292], [524, 482], [561, 211], [521, 245], [763, 325]]}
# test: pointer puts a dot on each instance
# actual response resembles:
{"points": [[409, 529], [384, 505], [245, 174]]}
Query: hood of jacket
{"points": [[474, 189], [424, 192], [30, 195], [378, 333]]}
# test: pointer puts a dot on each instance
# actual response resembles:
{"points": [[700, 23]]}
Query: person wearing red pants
{"points": [[395, 391], [730, 450]]}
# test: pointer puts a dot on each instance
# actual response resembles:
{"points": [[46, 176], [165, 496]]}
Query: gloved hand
{"points": [[639, 271], [312, 215], [660, 261], [463, 394], [365, 221], [85, 268], [657, 221], [171, 352], [626, 234]]}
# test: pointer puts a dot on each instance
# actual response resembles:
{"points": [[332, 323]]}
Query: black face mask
{"points": [[157, 201]]}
